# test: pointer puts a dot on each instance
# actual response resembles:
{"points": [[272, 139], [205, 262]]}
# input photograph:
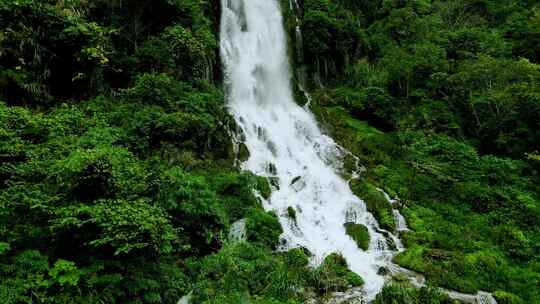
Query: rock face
{"points": [[351, 296], [238, 231], [481, 297], [298, 184]]}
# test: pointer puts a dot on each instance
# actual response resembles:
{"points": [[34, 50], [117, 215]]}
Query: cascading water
{"points": [[286, 145]]}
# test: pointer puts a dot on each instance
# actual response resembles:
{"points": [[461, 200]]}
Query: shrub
{"points": [[263, 228]]}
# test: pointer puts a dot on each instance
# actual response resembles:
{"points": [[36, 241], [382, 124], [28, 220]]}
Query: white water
{"points": [[286, 144]]}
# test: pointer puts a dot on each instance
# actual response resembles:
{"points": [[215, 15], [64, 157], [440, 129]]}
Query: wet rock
{"points": [[390, 243], [272, 147], [271, 169], [383, 271], [307, 252], [283, 243], [350, 215], [274, 181], [291, 213], [481, 297], [351, 296], [298, 184], [243, 152], [238, 233]]}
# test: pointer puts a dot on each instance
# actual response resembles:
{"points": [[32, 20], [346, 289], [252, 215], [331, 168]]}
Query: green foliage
{"points": [[4, 247], [440, 104], [117, 182], [65, 273], [235, 191], [263, 186], [249, 272], [507, 298], [263, 227], [399, 294], [331, 35], [434, 66], [192, 53], [334, 275], [376, 204], [116, 165], [359, 233], [123, 225], [193, 206]]}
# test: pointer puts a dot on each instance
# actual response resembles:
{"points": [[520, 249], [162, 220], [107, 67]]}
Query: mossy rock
{"points": [[359, 233], [399, 293], [243, 152], [412, 258], [376, 204], [262, 185], [335, 259], [503, 297], [400, 278], [334, 275], [383, 271], [354, 279]]}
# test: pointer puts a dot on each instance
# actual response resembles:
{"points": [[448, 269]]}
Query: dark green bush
{"points": [[263, 228]]}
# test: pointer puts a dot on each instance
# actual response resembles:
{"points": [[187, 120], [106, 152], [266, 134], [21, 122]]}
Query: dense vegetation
{"points": [[117, 174], [117, 180], [441, 101]]}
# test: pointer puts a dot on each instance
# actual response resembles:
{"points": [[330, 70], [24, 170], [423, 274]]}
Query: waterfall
{"points": [[286, 145]]}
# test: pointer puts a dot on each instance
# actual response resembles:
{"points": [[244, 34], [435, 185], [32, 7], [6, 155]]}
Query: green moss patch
{"points": [[263, 186], [334, 275], [359, 233], [406, 294], [507, 298], [376, 203]]}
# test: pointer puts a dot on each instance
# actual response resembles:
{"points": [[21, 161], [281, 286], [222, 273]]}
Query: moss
{"points": [[354, 279], [362, 128], [412, 258], [243, 152], [336, 265], [503, 297], [263, 187], [359, 233], [376, 203], [334, 275], [403, 293]]}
